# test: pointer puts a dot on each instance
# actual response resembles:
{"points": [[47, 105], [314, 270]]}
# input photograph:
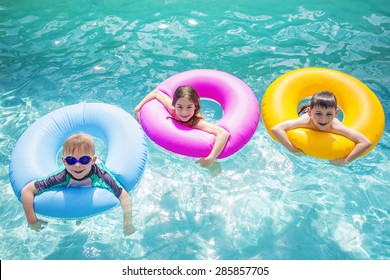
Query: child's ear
{"points": [[63, 160], [336, 112], [94, 158], [309, 111]]}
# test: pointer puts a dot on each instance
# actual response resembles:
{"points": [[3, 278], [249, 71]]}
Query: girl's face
{"points": [[185, 108], [79, 170], [322, 117]]}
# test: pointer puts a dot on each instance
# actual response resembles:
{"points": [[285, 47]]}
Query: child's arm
{"points": [[280, 132], [221, 137], [362, 143], [28, 194], [126, 205], [158, 95]]}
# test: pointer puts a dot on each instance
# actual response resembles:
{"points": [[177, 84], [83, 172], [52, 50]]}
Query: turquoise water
{"points": [[265, 203]]}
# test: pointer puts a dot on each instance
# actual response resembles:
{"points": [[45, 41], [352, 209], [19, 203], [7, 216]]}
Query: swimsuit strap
{"points": [[303, 110], [188, 123]]}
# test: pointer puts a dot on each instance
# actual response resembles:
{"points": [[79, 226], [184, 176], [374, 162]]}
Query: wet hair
{"points": [[324, 99], [192, 94], [78, 142]]}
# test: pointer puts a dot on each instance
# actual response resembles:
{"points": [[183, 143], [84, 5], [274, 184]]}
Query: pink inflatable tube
{"points": [[240, 118]]}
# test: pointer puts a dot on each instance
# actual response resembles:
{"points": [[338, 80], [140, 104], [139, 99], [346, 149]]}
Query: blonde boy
{"points": [[79, 161]]}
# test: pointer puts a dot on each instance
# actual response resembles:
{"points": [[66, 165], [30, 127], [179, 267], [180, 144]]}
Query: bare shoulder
{"points": [[209, 127], [203, 124], [300, 122], [336, 124], [339, 128], [354, 135]]}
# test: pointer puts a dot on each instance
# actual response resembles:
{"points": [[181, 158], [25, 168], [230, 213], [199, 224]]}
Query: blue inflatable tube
{"points": [[35, 156]]}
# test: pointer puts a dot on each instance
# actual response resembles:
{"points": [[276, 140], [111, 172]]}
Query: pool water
{"points": [[262, 202]]}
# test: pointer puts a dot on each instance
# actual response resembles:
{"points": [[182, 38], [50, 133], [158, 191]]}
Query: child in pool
{"points": [[79, 161], [184, 107], [321, 115]]}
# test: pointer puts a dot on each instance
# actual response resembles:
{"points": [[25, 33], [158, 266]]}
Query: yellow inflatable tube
{"points": [[362, 110]]}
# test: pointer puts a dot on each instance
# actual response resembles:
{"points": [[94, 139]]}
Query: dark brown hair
{"points": [[192, 94], [325, 99]]}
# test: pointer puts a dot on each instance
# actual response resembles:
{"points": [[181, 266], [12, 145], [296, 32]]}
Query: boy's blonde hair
{"points": [[78, 142]]}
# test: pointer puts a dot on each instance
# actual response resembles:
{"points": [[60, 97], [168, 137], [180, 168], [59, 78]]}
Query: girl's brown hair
{"points": [[192, 94]]}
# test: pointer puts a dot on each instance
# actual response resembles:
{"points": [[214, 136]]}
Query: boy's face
{"points": [[322, 117], [79, 170]]}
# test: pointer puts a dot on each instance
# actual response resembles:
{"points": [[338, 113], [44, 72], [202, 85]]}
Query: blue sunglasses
{"points": [[83, 160]]}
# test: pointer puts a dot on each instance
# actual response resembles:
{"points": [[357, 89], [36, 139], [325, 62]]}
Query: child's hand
{"points": [[205, 161], [296, 151], [215, 168], [338, 162], [299, 153], [38, 226], [129, 229], [137, 114]]}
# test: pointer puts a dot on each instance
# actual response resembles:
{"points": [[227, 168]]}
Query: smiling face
{"points": [[185, 109], [77, 146], [79, 170], [322, 117], [186, 102]]}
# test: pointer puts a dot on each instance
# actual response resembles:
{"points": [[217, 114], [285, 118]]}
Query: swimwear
{"points": [[190, 122], [303, 111], [99, 177]]}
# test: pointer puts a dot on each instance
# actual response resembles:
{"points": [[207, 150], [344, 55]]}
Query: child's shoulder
{"points": [[102, 171], [303, 121], [59, 172], [100, 167], [338, 126], [201, 123]]}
